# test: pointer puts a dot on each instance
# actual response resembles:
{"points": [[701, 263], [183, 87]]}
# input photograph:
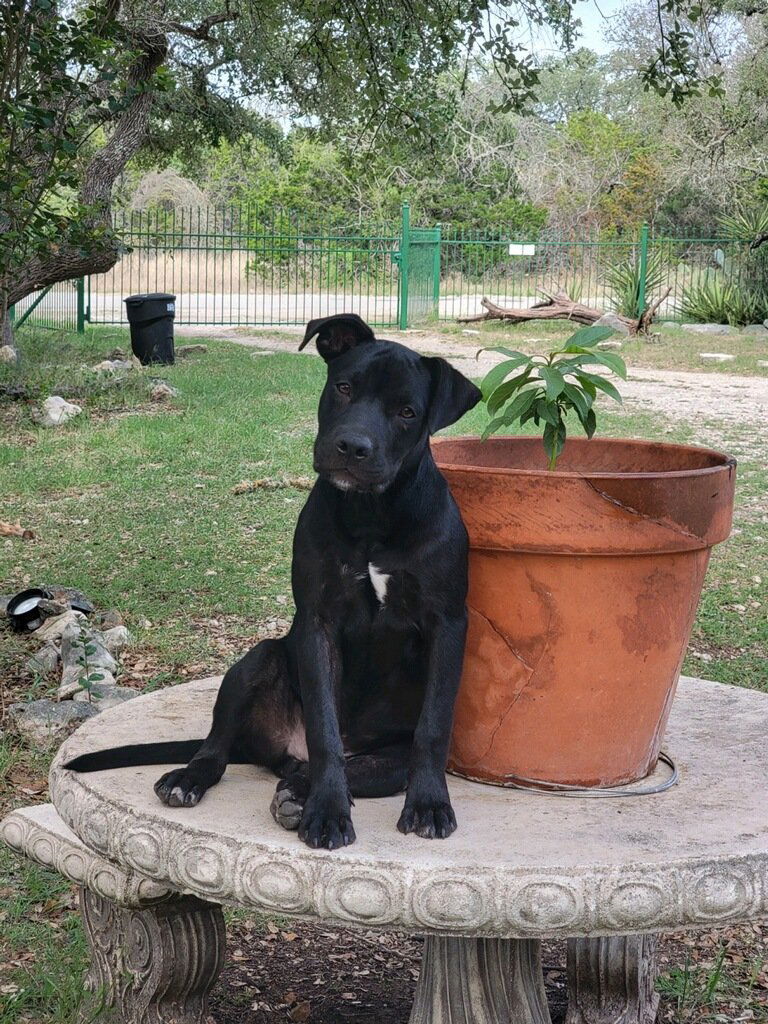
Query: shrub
{"points": [[717, 300], [624, 281]]}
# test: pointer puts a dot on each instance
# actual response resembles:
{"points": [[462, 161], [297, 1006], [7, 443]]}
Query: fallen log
{"points": [[561, 306]]}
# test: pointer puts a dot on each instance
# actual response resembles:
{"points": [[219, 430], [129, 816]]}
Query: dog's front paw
{"points": [[326, 823], [428, 812], [180, 788]]}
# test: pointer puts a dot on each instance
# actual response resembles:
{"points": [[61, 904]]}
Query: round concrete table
{"points": [[605, 873]]}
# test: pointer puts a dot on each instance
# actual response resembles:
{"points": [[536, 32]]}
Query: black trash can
{"points": [[151, 319]]}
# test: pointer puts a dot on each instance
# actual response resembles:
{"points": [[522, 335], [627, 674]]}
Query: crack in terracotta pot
{"points": [[642, 515]]}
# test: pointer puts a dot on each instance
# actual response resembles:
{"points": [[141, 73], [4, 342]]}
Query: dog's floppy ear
{"points": [[337, 334], [452, 394]]}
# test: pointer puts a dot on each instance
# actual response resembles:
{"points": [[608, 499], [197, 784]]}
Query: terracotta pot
{"points": [[584, 584]]}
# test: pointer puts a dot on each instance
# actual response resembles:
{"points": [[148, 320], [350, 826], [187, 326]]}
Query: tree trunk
{"points": [[6, 329], [71, 260], [561, 307]]}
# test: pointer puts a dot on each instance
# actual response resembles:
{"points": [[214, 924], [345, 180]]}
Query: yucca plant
{"points": [[710, 301], [546, 389], [623, 279], [717, 300]]}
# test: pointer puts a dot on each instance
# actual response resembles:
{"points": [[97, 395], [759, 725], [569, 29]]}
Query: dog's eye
{"points": [[407, 412], [343, 387]]}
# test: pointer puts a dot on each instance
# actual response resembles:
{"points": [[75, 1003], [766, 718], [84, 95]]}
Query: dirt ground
{"points": [[309, 972], [676, 393]]}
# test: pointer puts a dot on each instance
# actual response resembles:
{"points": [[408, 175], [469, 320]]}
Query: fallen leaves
{"points": [[272, 483], [15, 530]]}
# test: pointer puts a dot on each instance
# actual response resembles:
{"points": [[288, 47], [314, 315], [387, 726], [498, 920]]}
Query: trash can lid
{"points": [[136, 299]]}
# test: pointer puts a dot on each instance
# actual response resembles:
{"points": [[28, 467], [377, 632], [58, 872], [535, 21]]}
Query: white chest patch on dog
{"points": [[379, 581]]}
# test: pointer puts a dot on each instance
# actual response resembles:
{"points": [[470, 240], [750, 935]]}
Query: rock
{"points": [[117, 639], [117, 353], [609, 346], [73, 653], [109, 619], [763, 363], [105, 695], [715, 357], [755, 330], [54, 628], [50, 608], [57, 411], [112, 365], [45, 662], [613, 321], [709, 328], [69, 596], [161, 392], [468, 331], [70, 687], [8, 354], [191, 350], [44, 723]]}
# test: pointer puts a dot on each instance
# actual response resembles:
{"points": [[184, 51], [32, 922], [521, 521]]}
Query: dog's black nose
{"points": [[354, 445]]}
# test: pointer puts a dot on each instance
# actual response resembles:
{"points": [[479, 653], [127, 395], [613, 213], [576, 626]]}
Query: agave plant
{"points": [[623, 279], [718, 300], [546, 389]]}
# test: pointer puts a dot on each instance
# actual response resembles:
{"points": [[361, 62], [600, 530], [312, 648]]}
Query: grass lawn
{"points": [[133, 503]]}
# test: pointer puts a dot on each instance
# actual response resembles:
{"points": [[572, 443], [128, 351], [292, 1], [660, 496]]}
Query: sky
{"points": [[595, 15]]}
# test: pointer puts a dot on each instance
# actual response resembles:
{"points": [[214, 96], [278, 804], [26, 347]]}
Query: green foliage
{"points": [[623, 279], [719, 300], [546, 389], [63, 78]]}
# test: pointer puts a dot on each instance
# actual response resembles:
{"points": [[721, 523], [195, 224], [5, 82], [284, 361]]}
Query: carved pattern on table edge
{"points": [[79, 864], [608, 900]]}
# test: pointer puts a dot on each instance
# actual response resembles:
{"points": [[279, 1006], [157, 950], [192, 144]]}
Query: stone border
{"points": [[492, 902], [39, 834]]}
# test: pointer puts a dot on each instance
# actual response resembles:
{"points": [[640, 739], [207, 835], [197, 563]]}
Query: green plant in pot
{"points": [[587, 559]]}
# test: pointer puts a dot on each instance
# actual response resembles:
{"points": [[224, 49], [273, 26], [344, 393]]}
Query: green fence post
{"points": [[436, 270], [405, 251], [81, 305], [643, 270]]}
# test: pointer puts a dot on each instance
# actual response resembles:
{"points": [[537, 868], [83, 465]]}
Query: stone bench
{"points": [[607, 874]]}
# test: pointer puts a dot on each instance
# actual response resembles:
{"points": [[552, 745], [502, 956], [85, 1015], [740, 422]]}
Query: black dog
{"points": [[357, 700]]}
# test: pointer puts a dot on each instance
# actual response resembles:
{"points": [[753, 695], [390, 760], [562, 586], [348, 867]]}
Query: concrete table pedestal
{"points": [[606, 874]]}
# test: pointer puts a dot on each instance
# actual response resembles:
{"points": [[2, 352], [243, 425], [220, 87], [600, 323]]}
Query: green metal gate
{"points": [[419, 272]]}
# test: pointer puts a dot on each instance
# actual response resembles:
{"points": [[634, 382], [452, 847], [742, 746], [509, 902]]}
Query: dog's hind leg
{"points": [[381, 773], [255, 709]]}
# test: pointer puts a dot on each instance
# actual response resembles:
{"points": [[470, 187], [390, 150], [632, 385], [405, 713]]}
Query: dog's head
{"points": [[380, 403]]}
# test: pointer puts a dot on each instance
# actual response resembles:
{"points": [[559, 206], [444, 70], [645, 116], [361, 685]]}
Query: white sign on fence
{"points": [[521, 249]]}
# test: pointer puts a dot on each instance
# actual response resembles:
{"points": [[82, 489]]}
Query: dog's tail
{"points": [[135, 755]]}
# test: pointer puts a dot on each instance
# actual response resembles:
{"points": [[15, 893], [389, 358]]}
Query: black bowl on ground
{"points": [[23, 609]]}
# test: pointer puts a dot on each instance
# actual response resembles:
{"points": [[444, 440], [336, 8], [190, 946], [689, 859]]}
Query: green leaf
{"points": [[587, 337], [582, 403], [590, 424], [495, 376], [548, 411], [554, 441], [506, 390], [511, 352], [613, 362], [554, 380], [600, 382], [520, 404], [491, 427]]}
